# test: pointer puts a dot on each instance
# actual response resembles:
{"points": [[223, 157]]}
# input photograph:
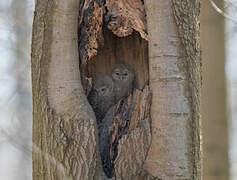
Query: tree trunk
{"points": [[214, 107], [174, 64], [64, 129], [111, 32]]}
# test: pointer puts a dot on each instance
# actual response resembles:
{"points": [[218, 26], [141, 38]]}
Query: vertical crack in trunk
{"points": [[124, 133]]}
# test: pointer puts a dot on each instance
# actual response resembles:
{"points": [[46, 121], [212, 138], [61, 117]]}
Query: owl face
{"points": [[121, 72], [103, 91], [103, 86]]}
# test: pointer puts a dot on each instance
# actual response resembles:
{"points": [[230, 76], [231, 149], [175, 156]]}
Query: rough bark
{"points": [[174, 65], [214, 102], [64, 135], [126, 16], [133, 139]]}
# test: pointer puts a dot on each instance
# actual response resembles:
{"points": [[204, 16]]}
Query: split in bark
{"points": [[124, 134]]}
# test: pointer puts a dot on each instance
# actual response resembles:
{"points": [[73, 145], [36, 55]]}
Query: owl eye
{"points": [[117, 73], [125, 74], [102, 89]]}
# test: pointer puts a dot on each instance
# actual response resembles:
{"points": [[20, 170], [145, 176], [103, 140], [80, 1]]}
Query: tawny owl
{"points": [[123, 76], [101, 96]]}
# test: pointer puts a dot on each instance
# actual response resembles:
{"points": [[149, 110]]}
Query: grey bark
{"points": [[174, 64], [64, 125]]}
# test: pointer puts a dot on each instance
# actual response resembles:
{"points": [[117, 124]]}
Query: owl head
{"points": [[122, 73], [103, 85]]}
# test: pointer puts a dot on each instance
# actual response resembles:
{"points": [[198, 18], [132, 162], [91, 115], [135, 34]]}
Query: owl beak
{"points": [[123, 77]]}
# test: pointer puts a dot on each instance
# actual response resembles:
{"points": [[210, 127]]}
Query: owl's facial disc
{"points": [[116, 74], [102, 90], [120, 75]]}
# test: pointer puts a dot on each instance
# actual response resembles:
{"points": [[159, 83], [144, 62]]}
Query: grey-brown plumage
{"points": [[101, 96], [105, 143], [123, 76]]}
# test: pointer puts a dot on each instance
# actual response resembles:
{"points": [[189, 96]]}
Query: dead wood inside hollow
{"points": [[124, 135], [107, 37], [122, 17]]}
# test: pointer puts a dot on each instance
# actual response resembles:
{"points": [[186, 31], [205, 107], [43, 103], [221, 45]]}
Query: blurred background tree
{"points": [[15, 90], [231, 71], [215, 135]]}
